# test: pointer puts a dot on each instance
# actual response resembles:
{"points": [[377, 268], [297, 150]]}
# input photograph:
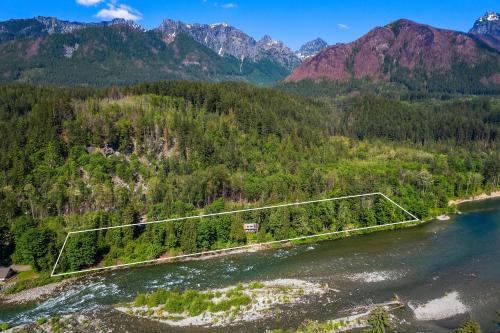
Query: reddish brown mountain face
{"points": [[402, 44]]}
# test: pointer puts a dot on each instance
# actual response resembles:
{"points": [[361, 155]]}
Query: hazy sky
{"points": [[293, 22]]}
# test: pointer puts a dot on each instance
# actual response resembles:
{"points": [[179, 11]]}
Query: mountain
{"points": [[487, 29], [416, 55], [50, 51], [311, 48], [41, 26], [46, 50], [228, 40]]}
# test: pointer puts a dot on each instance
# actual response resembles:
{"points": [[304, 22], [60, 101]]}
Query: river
{"points": [[459, 257]]}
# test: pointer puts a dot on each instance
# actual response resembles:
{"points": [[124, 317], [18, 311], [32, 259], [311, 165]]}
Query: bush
{"points": [[197, 306], [378, 321], [194, 302], [140, 300], [469, 326], [174, 303], [236, 301], [41, 320], [256, 285], [4, 326]]}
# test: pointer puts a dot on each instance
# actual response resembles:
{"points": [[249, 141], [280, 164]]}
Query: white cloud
{"points": [[342, 26], [229, 5], [88, 2], [119, 11]]}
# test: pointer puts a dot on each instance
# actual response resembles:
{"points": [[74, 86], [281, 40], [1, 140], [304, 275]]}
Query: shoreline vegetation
{"points": [[45, 290], [221, 307], [98, 249], [11, 295], [479, 197], [243, 303]]}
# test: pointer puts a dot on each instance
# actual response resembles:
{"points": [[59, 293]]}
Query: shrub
{"points": [[256, 285], [140, 300], [41, 320], [469, 326], [174, 303], [227, 304], [197, 306]]}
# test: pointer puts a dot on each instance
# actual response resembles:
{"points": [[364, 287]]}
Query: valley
{"points": [[356, 183]]}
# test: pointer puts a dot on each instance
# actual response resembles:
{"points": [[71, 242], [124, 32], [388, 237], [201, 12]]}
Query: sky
{"points": [[293, 22]]}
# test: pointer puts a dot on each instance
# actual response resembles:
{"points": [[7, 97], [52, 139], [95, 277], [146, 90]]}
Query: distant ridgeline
{"points": [[46, 50], [80, 158], [415, 56], [401, 55]]}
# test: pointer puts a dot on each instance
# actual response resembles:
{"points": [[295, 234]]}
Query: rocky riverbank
{"points": [[482, 196], [357, 318], [75, 323], [222, 307], [36, 293]]}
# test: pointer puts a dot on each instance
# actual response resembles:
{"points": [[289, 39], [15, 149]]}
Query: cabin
{"points": [[251, 227], [5, 273]]}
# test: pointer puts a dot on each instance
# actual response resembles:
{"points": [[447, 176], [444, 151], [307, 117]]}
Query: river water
{"points": [[459, 257]]}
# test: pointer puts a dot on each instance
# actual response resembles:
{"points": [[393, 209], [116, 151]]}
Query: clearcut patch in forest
{"points": [[228, 231]]}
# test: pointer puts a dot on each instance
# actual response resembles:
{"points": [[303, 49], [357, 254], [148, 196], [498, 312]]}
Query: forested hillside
{"points": [[75, 158], [121, 54]]}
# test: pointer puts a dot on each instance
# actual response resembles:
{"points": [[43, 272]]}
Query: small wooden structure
{"points": [[5, 273], [251, 227]]}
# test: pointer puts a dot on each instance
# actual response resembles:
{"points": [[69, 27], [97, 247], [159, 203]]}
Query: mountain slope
{"points": [[311, 48], [117, 53], [417, 55], [41, 26], [228, 40], [487, 29]]}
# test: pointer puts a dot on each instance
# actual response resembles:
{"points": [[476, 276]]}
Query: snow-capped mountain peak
{"points": [[227, 40], [311, 48], [488, 17], [487, 28], [491, 16], [219, 24]]}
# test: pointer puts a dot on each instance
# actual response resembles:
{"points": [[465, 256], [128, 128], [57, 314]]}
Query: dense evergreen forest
{"points": [[75, 158]]}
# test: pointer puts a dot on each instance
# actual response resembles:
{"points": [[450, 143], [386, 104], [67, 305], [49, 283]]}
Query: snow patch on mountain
{"points": [[311, 48]]}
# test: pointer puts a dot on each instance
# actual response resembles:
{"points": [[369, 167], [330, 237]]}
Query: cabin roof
{"points": [[4, 272]]}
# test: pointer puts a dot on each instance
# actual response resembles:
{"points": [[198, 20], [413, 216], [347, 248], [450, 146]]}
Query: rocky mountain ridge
{"points": [[417, 55], [40, 26], [311, 48], [487, 29], [45, 49], [225, 39]]}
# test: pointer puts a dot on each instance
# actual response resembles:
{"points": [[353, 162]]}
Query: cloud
{"points": [[343, 26], [88, 2], [119, 11], [229, 5]]}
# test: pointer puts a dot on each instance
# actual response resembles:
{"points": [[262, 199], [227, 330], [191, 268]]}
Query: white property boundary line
{"points": [[415, 219]]}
